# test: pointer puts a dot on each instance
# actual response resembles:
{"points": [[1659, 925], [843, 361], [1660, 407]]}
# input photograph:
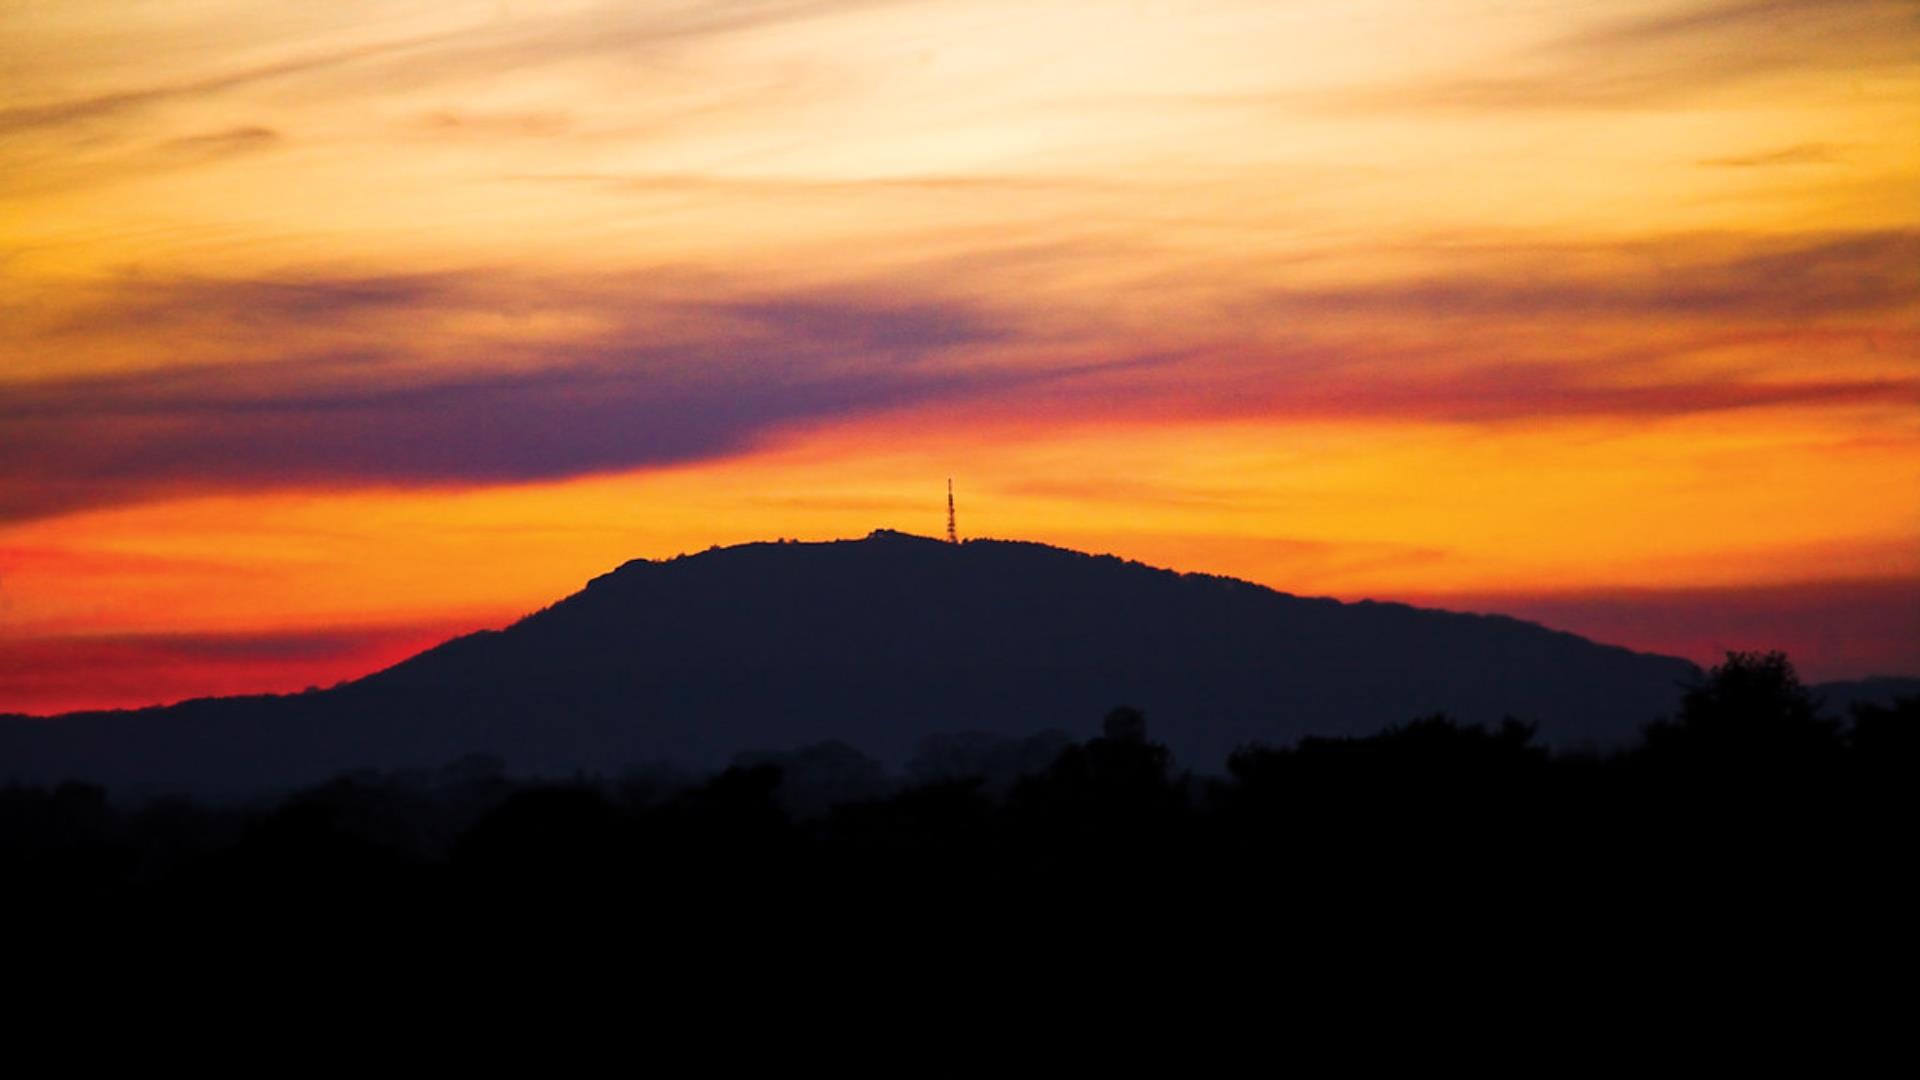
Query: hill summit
{"points": [[879, 642]]}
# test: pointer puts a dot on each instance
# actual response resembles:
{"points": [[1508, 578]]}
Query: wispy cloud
{"points": [[1797, 279], [639, 372], [616, 400], [487, 46], [213, 144], [1664, 59], [1802, 154], [23, 118], [1503, 393], [1851, 21], [485, 124]]}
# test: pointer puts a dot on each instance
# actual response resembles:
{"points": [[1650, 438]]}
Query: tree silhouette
{"points": [[1750, 710]]}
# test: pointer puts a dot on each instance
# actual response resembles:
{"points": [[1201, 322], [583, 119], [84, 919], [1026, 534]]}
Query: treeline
{"points": [[1748, 787]]}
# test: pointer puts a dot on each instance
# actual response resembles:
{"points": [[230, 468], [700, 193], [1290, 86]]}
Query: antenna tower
{"points": [[953, 533]]}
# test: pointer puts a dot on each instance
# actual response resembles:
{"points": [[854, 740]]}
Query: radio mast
{"points": [[953, 533]]}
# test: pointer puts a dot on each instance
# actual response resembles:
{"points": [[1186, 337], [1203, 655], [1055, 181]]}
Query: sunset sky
{"points": [[328, 331]]}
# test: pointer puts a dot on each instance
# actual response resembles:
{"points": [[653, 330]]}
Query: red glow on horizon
{"points": [[50, 676]]}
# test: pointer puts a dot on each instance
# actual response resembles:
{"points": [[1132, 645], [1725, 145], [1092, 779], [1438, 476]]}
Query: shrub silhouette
{"points": [[1750, 712]]}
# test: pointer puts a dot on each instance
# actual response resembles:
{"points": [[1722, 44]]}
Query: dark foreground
{"points": [[1748, 806]]}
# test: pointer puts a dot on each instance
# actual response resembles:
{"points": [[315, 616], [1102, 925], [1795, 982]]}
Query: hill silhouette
{"points": [[880, 643]]}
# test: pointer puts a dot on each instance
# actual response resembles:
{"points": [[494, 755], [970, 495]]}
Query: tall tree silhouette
{"points": [[1751, 710]]}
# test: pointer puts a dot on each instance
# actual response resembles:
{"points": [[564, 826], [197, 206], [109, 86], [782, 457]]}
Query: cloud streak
{"points": [[613, 402], [1802, 154], [677, 368], [26, 118], [217, 144], [1667, 59], [483, 48], [1834, 276]]}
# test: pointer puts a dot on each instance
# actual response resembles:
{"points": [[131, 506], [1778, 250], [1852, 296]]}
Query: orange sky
{"points": [[327, 333]]}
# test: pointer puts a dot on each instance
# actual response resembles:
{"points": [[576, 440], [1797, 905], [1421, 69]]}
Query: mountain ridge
{"points": [[880, 642]]}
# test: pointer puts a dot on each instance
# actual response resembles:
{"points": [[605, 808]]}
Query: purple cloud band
{"points": [[355, 381]]}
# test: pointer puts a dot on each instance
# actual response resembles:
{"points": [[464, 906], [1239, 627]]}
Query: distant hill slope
{"points": [[879, 642], [1837, 699]]}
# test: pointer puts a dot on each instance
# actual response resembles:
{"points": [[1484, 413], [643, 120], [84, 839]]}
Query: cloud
{"points": [[1802, 154], [1782, 20], [616, 400], [1665, 59], [23, 118], [484, 49], [468, 122], [1350, 382], [491, 376], [119, 161], [216, 144], [613, 27], [284, 302], [1520, 394], [1136, 493], [854, 185], [1806, 278], [196, 320]]}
